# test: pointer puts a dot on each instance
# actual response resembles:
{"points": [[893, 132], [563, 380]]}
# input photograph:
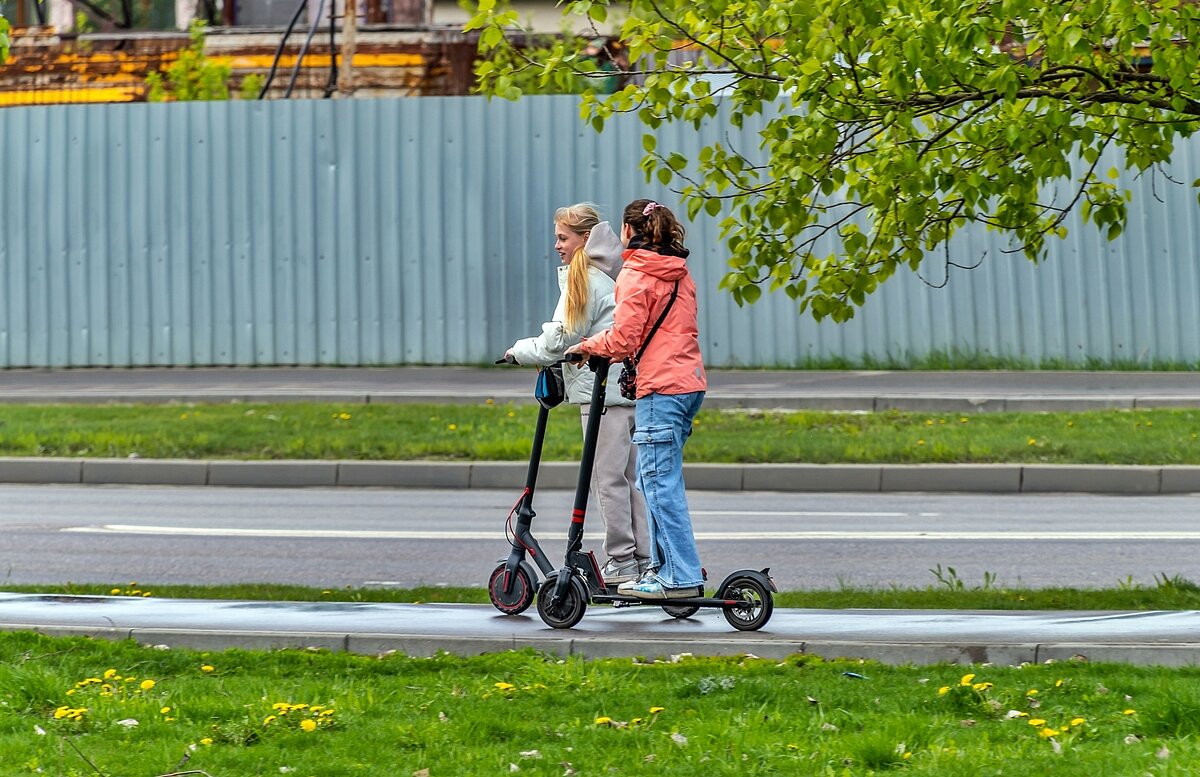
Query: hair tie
{"points": [[649, 207]]}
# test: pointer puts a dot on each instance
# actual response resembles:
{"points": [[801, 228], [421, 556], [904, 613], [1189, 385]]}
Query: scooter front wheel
{"points": [[565, 613], [754, 603], [518, 599], [680, 610]]}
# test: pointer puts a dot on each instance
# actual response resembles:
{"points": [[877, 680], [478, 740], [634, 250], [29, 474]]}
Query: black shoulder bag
{"points": [[628, 378]]}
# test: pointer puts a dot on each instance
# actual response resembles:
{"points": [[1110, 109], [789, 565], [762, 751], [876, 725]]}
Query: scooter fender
{"points": [[530, 572], [763, 576]]}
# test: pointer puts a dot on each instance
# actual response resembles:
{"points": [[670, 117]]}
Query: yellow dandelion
{"points": [[920, 442], [1036, 722], [110, 674], [326, 713], [962, 420], [164, 710], [452, 427], [505, 686], [929, 422], [61, 713], [115, 592], [147, 685], [489, 401], [1059, 683], [792, 746], [967, 679], [906, 756], [206, 741], [206, 668], [981, 686], [1032, 692], [183, 416], [308, 725], [945, 689], [656, 710], [268, 720], [1032, 441], [344, 416], [1070, 423], [603, 720], [1129, 712], [1046, 733], [1077, 721]]}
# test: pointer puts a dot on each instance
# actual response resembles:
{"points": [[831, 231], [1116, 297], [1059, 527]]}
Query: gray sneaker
{"points": [[620, 571]]}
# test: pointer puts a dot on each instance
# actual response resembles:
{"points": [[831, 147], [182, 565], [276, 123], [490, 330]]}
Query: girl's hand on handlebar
{"points": [[575, 350]]}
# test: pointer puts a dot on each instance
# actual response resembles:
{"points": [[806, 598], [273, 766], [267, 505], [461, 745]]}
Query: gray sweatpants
{"points": [[614, 486]]}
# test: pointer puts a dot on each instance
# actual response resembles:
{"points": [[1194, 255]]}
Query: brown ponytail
{"points": [[655, 227]]}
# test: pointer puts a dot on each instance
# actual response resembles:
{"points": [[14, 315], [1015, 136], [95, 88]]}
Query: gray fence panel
{"points": [[418, 231]]}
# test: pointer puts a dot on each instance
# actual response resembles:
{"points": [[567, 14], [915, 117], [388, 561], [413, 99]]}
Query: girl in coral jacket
{"points": [[670, 387]]}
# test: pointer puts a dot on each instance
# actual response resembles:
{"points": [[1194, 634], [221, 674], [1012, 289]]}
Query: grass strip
{"points": [[1168, 593], [492, 432], [81, 707]]}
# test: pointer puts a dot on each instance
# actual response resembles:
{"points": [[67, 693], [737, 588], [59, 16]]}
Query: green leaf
{"points": [[712, 207], [649, 142]]}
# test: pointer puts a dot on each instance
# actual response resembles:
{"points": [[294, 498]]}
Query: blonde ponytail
{"points": [[577, 292]]}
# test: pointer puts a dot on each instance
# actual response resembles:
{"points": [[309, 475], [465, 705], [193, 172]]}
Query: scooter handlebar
{"points": [[506, 359]]}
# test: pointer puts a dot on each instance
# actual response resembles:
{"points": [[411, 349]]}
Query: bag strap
{"points": [[658, 323]]}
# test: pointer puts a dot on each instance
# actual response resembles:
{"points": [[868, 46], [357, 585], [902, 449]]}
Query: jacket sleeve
{"points": [[623, 338], [547, 347]]}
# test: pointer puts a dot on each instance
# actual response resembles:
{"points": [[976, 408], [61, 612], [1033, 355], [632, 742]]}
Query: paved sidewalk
{"points": [[889, 636], [860, 391]]}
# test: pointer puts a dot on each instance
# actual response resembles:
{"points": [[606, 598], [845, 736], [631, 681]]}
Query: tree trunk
{"points": [[349, 44]]}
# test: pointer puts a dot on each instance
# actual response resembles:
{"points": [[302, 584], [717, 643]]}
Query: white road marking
{"points": [[803, 514], [433, 534]]}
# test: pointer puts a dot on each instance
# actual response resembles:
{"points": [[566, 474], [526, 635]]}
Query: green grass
{"points": [[502, 432], [67, 708], [946, 592]]}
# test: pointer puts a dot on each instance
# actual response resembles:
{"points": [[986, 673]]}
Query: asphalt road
{"points": [[407, 537]]}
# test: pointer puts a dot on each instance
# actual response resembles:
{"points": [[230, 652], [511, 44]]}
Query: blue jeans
{"points": [[663, 424]]}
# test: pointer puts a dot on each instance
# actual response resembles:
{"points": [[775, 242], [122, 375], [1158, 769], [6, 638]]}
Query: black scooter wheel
{"points": [[754, 607], [680, 610], [566, 613], [515, 601]]}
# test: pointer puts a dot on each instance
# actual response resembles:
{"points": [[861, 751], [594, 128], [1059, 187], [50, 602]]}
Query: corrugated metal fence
{"points": [[417, 231]]}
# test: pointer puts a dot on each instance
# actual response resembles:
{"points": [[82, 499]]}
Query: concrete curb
{"points": [[894, 653], [867, 478]]}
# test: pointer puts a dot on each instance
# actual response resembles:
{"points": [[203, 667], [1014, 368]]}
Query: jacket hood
{"points": [[669, 268], [604, 249]]}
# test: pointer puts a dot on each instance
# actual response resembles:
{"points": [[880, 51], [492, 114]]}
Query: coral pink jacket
{"points": [[672, 363]]}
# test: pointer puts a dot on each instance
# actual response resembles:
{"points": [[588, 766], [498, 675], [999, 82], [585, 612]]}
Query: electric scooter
{"points": [[513, 583], [745, 597]]}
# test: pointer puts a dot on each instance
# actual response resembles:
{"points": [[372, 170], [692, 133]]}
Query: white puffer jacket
{"points": [[603, 250]]}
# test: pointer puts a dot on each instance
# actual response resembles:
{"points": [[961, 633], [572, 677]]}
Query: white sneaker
{"points": [[620, 571]]}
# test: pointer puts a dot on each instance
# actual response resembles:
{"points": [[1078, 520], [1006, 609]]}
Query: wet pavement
{"points": [[890, 636]]}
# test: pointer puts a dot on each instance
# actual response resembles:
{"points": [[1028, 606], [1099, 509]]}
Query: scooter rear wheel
{"points": [[515, 601], [755, 604], [680, 610], [569, 611]]}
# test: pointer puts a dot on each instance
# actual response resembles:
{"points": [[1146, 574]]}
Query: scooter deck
{"points": [[622, 600]]}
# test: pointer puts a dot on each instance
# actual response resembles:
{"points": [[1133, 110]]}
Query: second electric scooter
{"points": [[513, 584]]}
